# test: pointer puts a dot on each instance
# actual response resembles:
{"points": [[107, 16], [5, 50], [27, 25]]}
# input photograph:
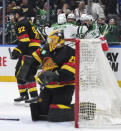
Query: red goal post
{"points": [[77, 41]]}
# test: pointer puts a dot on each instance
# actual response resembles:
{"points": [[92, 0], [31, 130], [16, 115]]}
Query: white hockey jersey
{"points": [[89, 34], [84, 33], [69, 30]]}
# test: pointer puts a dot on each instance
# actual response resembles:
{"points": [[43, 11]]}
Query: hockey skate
{"points": [[32, 100], [21, 100]]}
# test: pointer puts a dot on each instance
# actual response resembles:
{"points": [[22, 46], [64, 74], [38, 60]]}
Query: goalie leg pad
{"points": [[58, 114], [36, 112], [34, 108]]}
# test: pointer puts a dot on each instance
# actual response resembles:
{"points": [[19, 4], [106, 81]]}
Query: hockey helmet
{"points": [[61, 19], [83, 17], [18, 10], [86, 17], [90, 17], [71, 16], [55, 40]]}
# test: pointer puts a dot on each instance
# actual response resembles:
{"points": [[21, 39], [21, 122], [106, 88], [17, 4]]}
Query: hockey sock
{"points": [[32, 89]]}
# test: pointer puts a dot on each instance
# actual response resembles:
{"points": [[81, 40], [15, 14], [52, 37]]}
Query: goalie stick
{"points": [[9, 119]]}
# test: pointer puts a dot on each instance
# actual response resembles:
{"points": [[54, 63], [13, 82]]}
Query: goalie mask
{"points": [[55, 40]]}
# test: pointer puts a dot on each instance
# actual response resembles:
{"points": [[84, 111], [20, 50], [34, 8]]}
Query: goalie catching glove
{"points": [[46, 77]]}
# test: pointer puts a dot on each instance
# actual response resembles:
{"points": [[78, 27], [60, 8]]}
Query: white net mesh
{"points": [[99, 95]]}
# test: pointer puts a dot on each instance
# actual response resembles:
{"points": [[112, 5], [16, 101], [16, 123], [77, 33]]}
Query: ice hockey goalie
{"points": [[56, 80]]}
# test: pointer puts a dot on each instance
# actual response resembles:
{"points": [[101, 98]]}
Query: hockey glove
{"points": [[90, 27], [47, 77], [14, 54]]}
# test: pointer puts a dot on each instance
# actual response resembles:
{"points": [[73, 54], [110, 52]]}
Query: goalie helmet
{"points": [[61, 19], [55, 40]]}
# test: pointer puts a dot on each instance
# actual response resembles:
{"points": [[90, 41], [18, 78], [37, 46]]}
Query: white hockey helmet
{"points": [[86, 17], [61, 19], [83, 17], [71, 16], [90, 17]]}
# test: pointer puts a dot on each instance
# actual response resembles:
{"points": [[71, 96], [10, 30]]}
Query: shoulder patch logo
{"points": [[43, 52]]}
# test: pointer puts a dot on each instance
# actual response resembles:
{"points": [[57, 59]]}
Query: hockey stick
{"points": [[41, 35], [9, 119], [10, 52]]}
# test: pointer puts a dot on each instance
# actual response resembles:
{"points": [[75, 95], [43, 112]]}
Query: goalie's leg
{"points": [[61, 109], [39, 110], [55, 104]]}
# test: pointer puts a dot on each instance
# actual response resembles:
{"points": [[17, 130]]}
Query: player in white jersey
{"points": [[69, 29], [71, 18], [89, 29]]}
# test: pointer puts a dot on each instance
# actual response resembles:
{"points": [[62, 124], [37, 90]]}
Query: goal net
{"points": [[97, 94]]}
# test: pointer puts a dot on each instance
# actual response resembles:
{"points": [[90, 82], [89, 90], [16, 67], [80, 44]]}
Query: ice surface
{"points": [[8, 91]]}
